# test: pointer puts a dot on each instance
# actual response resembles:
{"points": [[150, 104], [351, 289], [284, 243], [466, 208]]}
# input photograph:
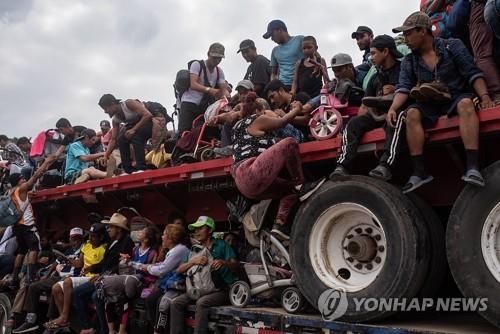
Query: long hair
{"points": [[250, 105]]}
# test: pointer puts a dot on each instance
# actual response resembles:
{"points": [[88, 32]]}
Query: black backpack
{"points": [[158, 110], [183, 78]]}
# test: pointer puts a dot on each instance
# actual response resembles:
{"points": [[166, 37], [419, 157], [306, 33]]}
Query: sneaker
{"points": [[379, 102], [82, 178], [309, 188], [280, 231], [339, 171], [138, 171], [25, 328], [436, 91]]}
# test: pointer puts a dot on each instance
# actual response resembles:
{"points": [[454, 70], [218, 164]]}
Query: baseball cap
{"points": [[97, 228], [415, 20], [341, 59], [107, 100], [272, 26], [203, 221], [75, 232], [216, 50], [246, 84], [14, 179], [360, 31], [385, 41], [105, 124], [246, 44]]}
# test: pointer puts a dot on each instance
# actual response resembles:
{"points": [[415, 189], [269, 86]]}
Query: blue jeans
{"points": [[81, 296], [492, 16]]}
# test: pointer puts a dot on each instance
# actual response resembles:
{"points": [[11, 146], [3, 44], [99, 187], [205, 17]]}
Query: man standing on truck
{"points": [[138, 129], [25, 229], [207, 84], [372, 113], [259, 70], [223, 265], [286, 54], [437, 74]]}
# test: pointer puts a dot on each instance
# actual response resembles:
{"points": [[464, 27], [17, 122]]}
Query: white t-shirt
{"points": [[194, 96]]}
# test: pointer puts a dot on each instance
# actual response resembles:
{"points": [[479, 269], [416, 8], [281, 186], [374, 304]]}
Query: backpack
{"points": [[9, 213], [183, 78], [199, 280]]}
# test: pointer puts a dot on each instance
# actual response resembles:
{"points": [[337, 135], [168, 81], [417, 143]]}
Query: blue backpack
{"points": [[9, 213], [458, 20]]}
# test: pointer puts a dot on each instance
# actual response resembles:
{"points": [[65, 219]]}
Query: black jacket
{"points": [[111, 260]]}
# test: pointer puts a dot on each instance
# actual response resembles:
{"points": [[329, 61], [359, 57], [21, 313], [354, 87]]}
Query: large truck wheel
{"points": [[438, 266], [5, 308], [361, 236], [473, 242]]}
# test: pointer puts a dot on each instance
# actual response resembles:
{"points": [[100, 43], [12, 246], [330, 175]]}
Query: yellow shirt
{"points": [[92, 255]]}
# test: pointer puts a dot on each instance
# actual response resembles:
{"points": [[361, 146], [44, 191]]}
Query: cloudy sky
{"points": [[57, 57]]}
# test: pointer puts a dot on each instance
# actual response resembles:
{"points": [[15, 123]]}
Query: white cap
{"points": [[75, 231]]}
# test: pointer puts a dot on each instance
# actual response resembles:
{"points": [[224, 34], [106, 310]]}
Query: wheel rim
{"points": [[490, 242], [326, 126], [347, 247], [240, 293], [291, 300], [3, 318]]}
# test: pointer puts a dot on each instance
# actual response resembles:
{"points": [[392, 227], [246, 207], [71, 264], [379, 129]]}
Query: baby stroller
{"points": [[198, 144], [335, 110], [267, 273], [47, 143]]}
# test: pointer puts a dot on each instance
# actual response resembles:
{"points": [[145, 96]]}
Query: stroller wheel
{"points": [[325, 125], [292, 300], [239, 294], [207, 154]]}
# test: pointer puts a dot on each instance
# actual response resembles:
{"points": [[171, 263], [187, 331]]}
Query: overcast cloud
{"points": [[57, 57]]}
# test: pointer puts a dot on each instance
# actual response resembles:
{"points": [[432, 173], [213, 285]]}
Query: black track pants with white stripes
{"points": [[358, 126]]}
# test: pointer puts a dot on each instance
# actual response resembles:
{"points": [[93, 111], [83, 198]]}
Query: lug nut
{"points": [[369, 266], [381, 248], [358, 230], [359, 266], [350, 259], [369, 230], [350, 236], [378, 237], [378, 259]]}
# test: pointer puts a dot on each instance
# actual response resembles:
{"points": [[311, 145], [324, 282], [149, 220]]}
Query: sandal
{"points": [[381, 172], [474, 177], [51, 325], [416, 182]]}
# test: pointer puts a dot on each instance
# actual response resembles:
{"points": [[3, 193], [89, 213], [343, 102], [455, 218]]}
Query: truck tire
{"points": [[473, 242], [438, 266], [362, 237], [5, 308]]}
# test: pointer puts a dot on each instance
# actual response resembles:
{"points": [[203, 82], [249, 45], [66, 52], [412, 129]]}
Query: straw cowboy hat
{"points": [[117, 219]]}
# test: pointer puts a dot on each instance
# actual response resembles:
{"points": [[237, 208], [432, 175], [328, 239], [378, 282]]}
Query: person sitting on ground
{"points": [[259, 70], [286, 54], [63, 267], [310, 72], [372, 113], [119, 291], [77, 169], [91, 254], [25, 229], [433, 59], [120, 243], [223, 264], [259, 160], [208, 84], [170, 284], [136, 132]]}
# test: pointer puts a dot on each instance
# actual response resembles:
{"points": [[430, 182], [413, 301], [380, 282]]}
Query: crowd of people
{"points": [[408, 83]]}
